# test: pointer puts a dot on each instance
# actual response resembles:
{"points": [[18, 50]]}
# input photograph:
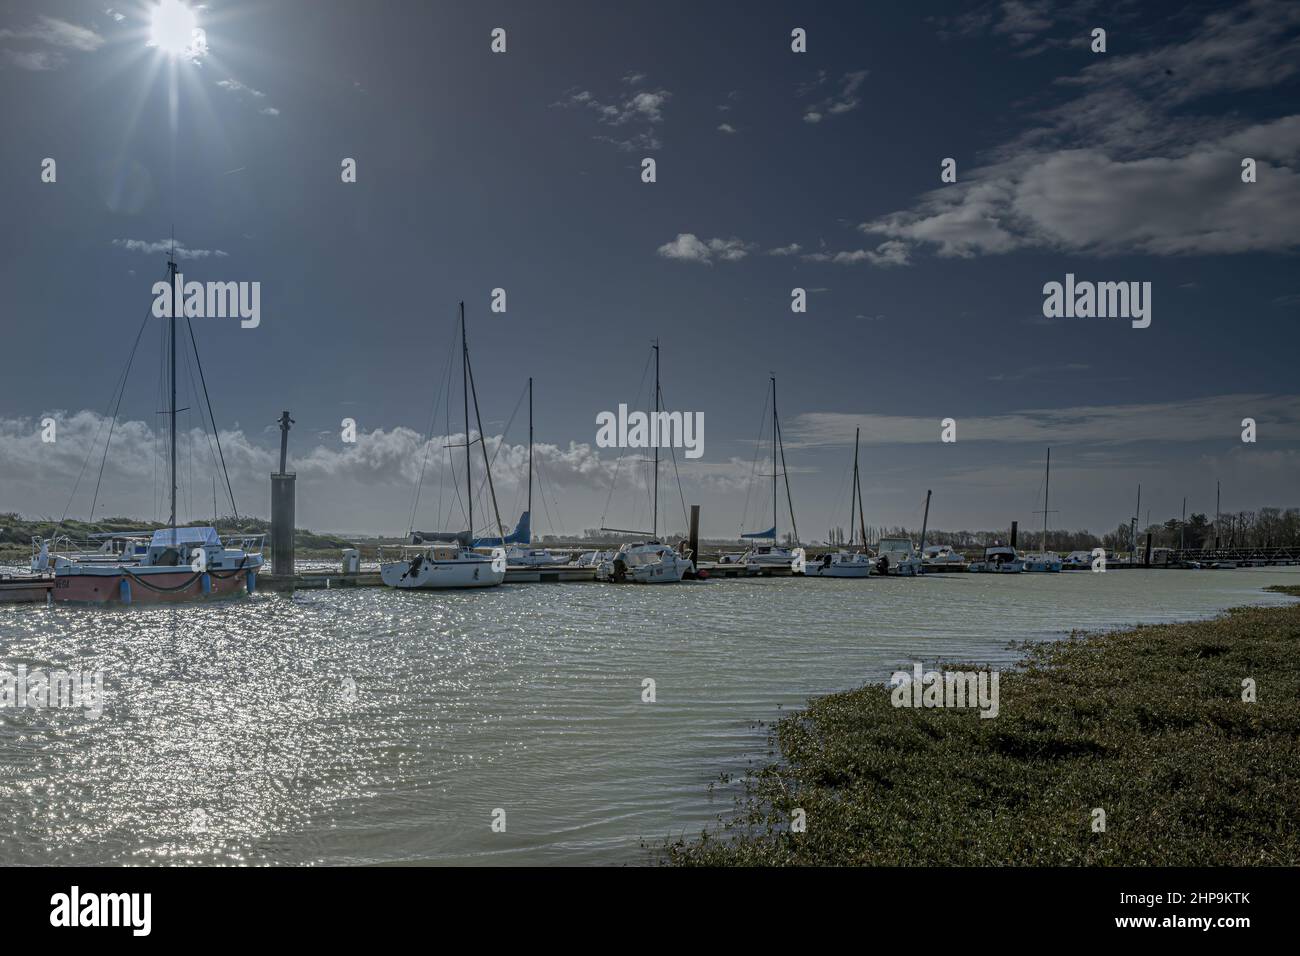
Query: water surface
{"points": [[376, 726]]}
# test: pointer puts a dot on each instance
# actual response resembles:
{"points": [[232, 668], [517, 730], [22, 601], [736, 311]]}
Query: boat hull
{"points": [[148, 586], [440, 575], [838, 571]]}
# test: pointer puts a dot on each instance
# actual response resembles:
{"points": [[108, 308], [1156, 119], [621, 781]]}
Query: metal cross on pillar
{"points": [[285, 422]]}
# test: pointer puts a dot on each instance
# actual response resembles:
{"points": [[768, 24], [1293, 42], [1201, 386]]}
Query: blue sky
{"points": [[774, 170]]}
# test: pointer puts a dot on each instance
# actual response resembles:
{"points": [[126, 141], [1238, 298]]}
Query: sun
{"points": [[173, 28]]}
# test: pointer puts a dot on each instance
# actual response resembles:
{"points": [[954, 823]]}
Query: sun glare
{"points": [[172, 28]]}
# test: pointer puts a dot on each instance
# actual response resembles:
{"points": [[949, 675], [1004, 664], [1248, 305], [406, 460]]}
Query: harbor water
{"points": [[371, 726]]}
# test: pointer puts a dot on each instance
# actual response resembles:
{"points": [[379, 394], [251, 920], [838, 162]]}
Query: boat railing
{"points": [[251, 543]]}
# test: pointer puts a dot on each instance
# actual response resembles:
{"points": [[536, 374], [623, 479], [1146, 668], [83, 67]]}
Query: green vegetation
{"points": [[16, 533], [1147, 724]]}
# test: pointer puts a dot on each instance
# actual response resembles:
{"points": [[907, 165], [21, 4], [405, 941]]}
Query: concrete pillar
{"points": [[283, 495]]}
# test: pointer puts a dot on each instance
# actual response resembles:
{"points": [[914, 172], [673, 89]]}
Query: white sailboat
{"points": [[763, 556], [652, 561], [1044, 560], [846, 563], [440, 560]]}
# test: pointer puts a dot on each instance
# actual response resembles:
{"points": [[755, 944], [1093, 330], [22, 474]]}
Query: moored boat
{"points": [[999, 559], [444, 560]]}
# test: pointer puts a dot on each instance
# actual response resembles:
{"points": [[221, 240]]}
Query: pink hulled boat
{"points": [[173, 563]]}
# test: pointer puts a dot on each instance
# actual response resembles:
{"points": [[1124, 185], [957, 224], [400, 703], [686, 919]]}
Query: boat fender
{"points": [[250, 582], [124, 590], [205, 583]]}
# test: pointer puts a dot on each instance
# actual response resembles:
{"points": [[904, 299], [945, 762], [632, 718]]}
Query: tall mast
{"points": [[774, 537], [785, 472], [862, 514], [171, 342], [1218, 515], [654, 526], [1182, 528], [530, 459], [464, 370], [925, 524], [854, 490], [1046, 484]]}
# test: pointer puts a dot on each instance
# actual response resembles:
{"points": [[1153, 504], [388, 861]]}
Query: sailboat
{"points": [[519, 552], [760, 557], [170, 565], [1044, 560], [850, 563], [651, 561], [440, 559]]}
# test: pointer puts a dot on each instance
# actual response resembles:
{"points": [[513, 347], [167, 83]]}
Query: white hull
{"points": [[1049, 566], [838, 571], [652, 563], [439, 575], [1006, 567]]}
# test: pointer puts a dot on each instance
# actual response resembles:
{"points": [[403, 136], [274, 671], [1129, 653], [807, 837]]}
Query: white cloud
{"points": [[1195, 420], [726, 128], [641, 107], [844, 101], [1124, 167], [34, 59], [688, 247], [163, 246], [55, 32], [790, 250]]}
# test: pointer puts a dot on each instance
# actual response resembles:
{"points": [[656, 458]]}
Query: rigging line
{"points": [[428, 439], [753, 468], [119, 390], [794, 525], [685, 515], [199, 362], [618, 462]]}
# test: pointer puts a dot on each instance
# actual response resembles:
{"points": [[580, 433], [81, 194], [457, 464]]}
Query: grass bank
{"points": [[1147, 724]]}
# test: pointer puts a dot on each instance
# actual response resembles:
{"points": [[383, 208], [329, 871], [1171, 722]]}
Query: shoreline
{"points": [[1145, 723]]}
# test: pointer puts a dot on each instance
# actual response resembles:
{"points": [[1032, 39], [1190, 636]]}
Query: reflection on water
{"points": [[360, 726]]}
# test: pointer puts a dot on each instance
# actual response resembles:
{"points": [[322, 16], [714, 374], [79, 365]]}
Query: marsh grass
{"points": [[1147, 724]]}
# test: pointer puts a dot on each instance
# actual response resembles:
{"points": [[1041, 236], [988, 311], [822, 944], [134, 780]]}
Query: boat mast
{"points": [[925, 524], [464, 374], [530, 460], [854, 490], [785, 473], [1047, 482], [171, 339], [654, 524], [774, 537]]}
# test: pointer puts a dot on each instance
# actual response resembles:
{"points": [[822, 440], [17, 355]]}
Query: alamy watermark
{"points": [[1101, 300], [38, 689], [210, 300], [651, 430], [950, 689]]}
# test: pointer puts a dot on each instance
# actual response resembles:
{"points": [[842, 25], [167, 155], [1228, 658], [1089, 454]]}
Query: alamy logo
{"points": [[651, 430], [211, 300], [950, 689], [56, 690], [103, 909], [1101, 300]]}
